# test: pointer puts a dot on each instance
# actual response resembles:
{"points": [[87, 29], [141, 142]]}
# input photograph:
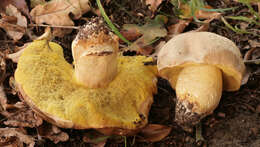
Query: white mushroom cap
{"points": [[202, 48]]}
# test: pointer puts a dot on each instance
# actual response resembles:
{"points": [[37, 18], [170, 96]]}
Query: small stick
{"points": [[54, 26]]}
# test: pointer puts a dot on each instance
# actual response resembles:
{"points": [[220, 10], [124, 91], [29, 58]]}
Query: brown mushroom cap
{"points": [[202, 48]]}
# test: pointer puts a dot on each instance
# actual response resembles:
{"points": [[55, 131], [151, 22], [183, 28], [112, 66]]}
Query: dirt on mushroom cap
{"points": [[46, 78]]}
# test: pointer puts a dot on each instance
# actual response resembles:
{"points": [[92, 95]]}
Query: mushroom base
{"points": [[185, 117], [198, 90]]}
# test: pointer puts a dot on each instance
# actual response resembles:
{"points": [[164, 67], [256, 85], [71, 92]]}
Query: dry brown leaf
{"points": [[52, 132], [15, 137], [22, 116], [201, 14], [177, 28], [19, 4], [153, 133], [254, 43], [14, 31], [56, 12], [95, 138], [130, 34], [153, 4]]}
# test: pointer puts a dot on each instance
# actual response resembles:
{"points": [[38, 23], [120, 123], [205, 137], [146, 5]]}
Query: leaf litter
{"points": [[14, 30], [57, 12], [17, 117]]}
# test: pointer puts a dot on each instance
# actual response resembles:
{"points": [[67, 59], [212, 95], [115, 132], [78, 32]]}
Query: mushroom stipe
{"points": [[199, 65]]}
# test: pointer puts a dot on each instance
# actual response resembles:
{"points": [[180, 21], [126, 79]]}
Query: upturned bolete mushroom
{"points": [[106, 91], [199, 65]]}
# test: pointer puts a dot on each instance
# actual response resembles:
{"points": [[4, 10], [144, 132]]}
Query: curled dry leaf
{"points": [[15, 137], [22, 116], [153, 133], [153, 4], [52, 132], [56, 12], [15, 31]]}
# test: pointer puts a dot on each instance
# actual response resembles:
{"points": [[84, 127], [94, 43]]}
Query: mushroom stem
{"points": [[95, 55], [96, 70], [198, 90]]}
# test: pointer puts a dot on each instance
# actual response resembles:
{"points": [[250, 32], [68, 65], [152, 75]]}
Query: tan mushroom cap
{"points": [[202, 48]]}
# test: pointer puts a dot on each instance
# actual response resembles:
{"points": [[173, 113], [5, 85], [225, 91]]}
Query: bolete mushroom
{"points": [[106, 91], [199, 65]]}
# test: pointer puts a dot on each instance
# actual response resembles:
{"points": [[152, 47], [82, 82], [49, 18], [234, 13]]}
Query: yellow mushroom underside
{"points": [[46, 78]]}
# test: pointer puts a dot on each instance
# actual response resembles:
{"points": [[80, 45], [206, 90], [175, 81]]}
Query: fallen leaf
{"points": [[130, 34], [153, 4], [254, 43], [15, 137], [201, 14], [19, 4], [187, 18], [23, 116], [177, 28], [57, 12], [95, 138], [34, 3], [153, 133], [150, 32], [52, 132], [14, 31]]}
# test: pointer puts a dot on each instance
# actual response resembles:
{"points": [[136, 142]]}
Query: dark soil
{"points": [[236, 121]]}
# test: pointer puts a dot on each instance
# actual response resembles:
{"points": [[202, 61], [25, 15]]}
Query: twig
{"points": [[255, 61], [54, 26]]}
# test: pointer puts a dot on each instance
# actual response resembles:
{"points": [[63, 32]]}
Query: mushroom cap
{"points": [[195, 48], [46, 84]]}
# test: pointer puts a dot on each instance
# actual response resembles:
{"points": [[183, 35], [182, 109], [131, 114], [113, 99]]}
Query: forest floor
{"points": [[235, 122]]}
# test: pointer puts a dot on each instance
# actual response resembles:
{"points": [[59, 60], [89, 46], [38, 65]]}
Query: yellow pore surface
{"points": [[48, 80], [201, 86]]}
